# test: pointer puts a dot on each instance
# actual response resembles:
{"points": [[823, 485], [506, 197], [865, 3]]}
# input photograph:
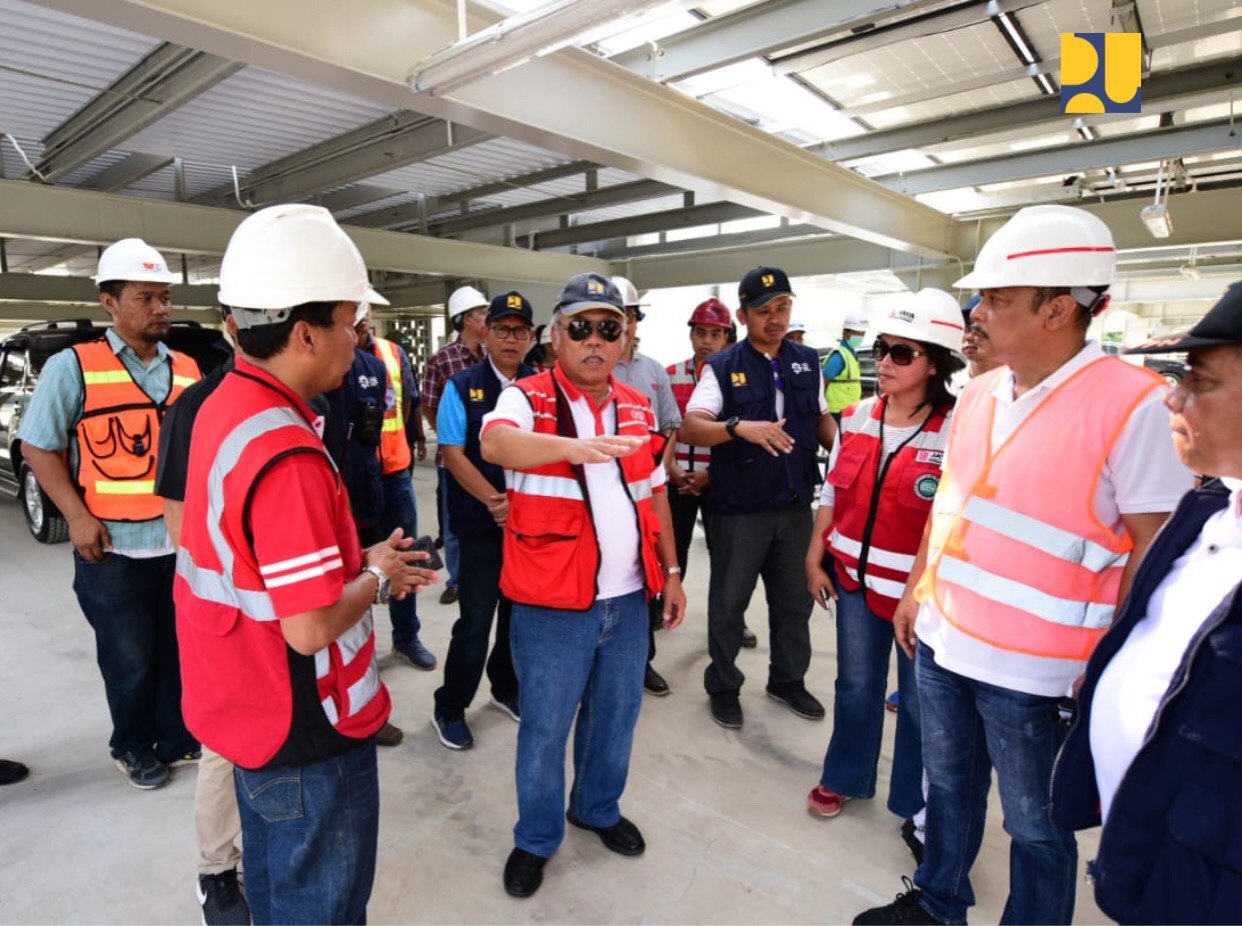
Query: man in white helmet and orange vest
{"points": [[273, 590], [467, 309], [103, 403], [1058, 473]]}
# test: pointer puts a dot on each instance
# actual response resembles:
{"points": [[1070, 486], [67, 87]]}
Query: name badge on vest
{"points": [[934, 457]]}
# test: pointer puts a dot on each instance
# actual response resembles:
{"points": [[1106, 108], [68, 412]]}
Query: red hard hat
{"points": [[711, 312]]}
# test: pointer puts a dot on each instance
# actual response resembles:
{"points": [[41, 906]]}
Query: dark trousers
{"points": [[745, 547], [129, 604], [400, 510], [479, 598], [685, 511]]}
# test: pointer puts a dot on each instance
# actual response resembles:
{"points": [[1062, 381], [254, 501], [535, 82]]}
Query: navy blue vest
{"points": [[745, 477], [363, 402], [479, 389]]}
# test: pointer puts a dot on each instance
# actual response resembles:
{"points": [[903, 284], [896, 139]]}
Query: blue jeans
{"points": [[472, 631], [864, 645], [969, 727], [309, 838], [400, 510], [452, 551], [129, 604], [564, 659]]}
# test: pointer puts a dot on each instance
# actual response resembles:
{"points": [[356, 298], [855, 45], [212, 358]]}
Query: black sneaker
{"points": [[913, 839], [12, 772], [654, 684], [727, 710], [144, 772], [452, 731], [905, 909], [798, 700], [222, 900]]}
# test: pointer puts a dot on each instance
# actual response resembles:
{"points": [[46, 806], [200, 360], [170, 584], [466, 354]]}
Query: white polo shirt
{"points": [[612, 510], [1141, 475]]}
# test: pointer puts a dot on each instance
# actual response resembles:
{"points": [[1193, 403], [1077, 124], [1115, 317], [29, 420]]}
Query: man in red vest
{"points": [[588, 542]]}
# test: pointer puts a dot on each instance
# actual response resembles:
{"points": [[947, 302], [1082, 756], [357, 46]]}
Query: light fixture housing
{"points": [[1157, 219], [516, 40]]}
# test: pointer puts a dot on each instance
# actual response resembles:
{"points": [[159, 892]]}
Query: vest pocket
{"points": [[543, 550], [917, 485]]}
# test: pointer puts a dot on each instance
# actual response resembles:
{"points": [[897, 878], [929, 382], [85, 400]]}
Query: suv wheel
{"points": [[46, 523]]}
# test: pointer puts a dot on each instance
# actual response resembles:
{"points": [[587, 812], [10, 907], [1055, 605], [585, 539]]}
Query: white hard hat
{"points": [[132, 259], [629, 293], [797, 326], [930, 315], [285, 256], [464, 299], [1046, 246], [856, 320]]}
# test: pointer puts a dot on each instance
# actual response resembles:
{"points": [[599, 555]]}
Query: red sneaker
{"points": [[822, 802]]}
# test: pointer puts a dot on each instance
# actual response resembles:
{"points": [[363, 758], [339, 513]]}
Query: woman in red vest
{"points": [[874, 505]]}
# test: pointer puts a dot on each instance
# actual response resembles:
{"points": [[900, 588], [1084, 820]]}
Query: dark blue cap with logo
{"points": [[761, 285], [510, 304], [589, 291]]}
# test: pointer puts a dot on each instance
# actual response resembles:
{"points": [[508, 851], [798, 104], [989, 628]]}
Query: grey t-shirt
{"points": [[651, 379]]}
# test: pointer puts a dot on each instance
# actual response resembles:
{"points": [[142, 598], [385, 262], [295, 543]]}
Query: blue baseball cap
{"points": [[510, 304], [589, 291]]}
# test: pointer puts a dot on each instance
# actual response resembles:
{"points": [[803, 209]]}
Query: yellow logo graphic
{"points": [[595, 287], [739, 379], [514, 301], [1101, 72], [769, 280], [476, 395]]}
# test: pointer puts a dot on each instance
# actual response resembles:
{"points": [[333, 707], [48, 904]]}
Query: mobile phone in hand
{"points": [[425, 544]]}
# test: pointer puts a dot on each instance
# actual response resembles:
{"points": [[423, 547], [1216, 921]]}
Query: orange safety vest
{"points": [[873, 540], [394, 447], [118, 435], [683, 377], [551, 552], [1016, 556]]}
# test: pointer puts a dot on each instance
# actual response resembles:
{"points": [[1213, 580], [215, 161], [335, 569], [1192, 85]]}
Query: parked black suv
{"points": [[22, 356]]}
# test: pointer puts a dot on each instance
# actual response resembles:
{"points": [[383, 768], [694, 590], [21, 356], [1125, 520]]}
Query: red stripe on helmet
{"points": [[1061, 251]]}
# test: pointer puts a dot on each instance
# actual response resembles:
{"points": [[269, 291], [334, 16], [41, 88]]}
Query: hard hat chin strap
{"points": [[1094, 298]]}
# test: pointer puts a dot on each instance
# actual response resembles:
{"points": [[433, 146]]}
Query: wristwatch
{"points": [[731, 427], [384, 586], [672, 570]]}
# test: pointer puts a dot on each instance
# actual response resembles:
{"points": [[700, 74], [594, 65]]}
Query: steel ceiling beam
{"points": [[686, 217], [754, 32], [360, 194], [39, 287], [396, 140], [1157, 145], [167, 78], [602, 113], [51, 213], [1167, 89], [730, 240]]}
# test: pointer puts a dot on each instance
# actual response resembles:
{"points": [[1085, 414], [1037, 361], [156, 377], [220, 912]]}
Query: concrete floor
{"points": [[728, 839]]}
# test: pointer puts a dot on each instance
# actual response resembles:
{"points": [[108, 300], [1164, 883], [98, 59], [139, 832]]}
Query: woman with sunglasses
{"points": [[876, 498]]}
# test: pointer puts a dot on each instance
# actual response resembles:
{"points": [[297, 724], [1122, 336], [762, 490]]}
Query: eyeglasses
{"points": [[504, 332], [903, 354], [579, 329]]}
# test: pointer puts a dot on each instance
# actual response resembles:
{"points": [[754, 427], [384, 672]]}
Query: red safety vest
{"points": [[551, 552], [238, 693], [684, 377], [118, 435], [909, 485], [1016, 556], [394, 446]]}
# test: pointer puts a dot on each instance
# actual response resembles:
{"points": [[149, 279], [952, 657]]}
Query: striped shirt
{"points": [[56, 408], [449, 359]]}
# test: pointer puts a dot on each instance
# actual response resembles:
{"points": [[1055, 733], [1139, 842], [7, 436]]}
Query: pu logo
{"points": [[739, 379], [768, 280], [1101, 72], [149, 266], [514, 301], [476, 395], [595, 287]]}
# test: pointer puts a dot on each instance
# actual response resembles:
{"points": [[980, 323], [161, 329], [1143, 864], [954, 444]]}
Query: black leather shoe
{"points": [[654, 684], [622, 837], [798, 700], [523, 873], [727, 710]]}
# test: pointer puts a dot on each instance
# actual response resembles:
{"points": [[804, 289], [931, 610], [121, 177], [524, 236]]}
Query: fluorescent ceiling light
{"points": [[1156, 218], [516, 40], [1044, 84], [1015, 36]]}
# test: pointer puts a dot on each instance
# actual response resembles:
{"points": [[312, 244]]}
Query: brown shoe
{"points": [[389, 735], [449, 595]]}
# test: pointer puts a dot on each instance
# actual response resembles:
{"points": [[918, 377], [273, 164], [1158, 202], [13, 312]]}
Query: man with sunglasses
{"points": [[588, 542], [478, 508], [760, 406], [1057, 474]]}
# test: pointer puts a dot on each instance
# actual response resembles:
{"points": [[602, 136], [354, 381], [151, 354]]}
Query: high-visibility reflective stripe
{"points": [[184, 381], [393, 424], [330, 710], [640, 490], [105, 377], [1052, 540], [310, 572], [1023, 597], [351, 642], [139, 487], [886, 587], [901, 562], [323, 663], [305, 560], [526, 483], [392, 363], [363, 690], [209, 585]]}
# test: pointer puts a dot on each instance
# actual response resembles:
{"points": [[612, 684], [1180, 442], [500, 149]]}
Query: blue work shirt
{"points": [[55, 409]]}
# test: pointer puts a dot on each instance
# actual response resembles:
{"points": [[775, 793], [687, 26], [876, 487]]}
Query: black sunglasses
{"points": [[903, 354], [579, 329]]}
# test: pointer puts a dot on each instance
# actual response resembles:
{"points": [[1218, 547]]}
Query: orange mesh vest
{"points": [[394, 447]]}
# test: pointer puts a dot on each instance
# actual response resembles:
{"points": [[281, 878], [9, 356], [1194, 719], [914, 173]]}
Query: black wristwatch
{"points": [[731, 427]]}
